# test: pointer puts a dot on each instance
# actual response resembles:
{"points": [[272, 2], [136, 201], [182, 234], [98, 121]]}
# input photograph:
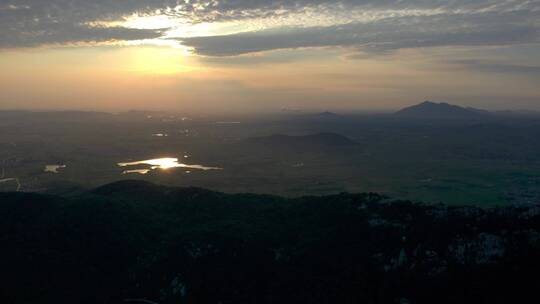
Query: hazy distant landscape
{"points": [[430, 152], [269, 152]]}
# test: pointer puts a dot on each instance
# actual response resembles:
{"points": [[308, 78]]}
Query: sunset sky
{"points": [[257, 55]]}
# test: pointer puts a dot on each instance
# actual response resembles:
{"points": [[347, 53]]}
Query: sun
{"points": [[158, 60]]}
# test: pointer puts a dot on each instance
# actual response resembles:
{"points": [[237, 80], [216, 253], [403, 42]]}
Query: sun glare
{"points": [[158, 163], [164, 163], [159, 60]]}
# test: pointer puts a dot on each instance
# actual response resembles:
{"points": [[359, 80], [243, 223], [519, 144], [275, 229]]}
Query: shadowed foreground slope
{"points": [[132, 241]]}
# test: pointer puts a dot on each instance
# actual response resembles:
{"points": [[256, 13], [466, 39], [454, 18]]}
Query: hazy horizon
{"points": [[254, 112], [262, 56]]}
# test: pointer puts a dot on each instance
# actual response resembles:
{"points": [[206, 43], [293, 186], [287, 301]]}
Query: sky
{"points": [[268, 55]]}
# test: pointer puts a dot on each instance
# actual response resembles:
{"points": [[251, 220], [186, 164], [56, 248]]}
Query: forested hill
{"points": [[134, 241]]}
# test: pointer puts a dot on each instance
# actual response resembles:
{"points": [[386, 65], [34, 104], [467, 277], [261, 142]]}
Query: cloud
{"points": [[497, 67], [381, 36], [371, 25], [66, 34], [28, 23]]}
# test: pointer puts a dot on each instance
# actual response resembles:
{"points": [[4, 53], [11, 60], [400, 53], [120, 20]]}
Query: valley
{"points": [[486, 160]]}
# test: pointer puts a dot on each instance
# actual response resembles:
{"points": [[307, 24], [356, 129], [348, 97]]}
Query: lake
{"points": [[161, 163]]}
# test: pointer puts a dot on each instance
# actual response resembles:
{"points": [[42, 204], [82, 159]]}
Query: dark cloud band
{"points": [[27, 23], [381, 36]]}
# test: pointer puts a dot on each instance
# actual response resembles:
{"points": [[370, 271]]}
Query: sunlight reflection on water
{"points": [[53, 168], [163, 164]]}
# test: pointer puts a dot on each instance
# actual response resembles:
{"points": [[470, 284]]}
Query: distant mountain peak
{"points": [[430, 109]]}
